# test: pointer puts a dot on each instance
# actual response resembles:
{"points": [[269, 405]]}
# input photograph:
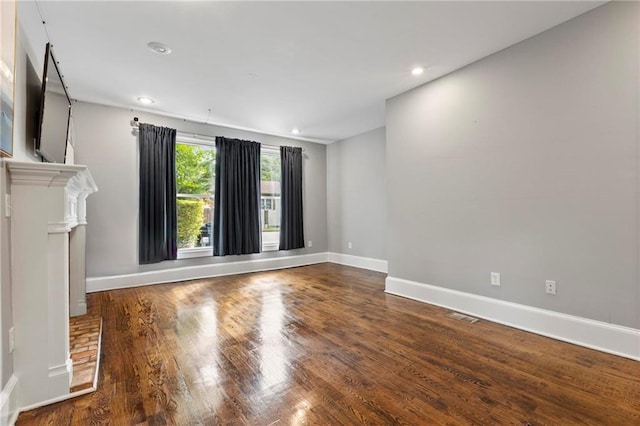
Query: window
{"points": [[194, 192], [268, 203], [195, 185], [270, 198]]}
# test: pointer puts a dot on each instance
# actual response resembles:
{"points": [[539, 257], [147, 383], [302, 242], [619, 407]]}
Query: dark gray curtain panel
{"points": [[291, 226], [158, 223], [236, 217]]}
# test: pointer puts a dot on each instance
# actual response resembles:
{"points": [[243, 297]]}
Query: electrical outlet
{"points": [[495, 279], [350, 245], [550, 287], [310, 243], [7, 205], [12, 339]]}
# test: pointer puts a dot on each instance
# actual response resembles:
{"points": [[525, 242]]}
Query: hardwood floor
{"points": [[324, 344]]}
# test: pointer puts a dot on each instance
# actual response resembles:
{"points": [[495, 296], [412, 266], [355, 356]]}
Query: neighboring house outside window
{"points": [[270, 198]]}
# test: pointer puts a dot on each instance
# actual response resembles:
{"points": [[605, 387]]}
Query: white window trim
{"points": [[188, 253], [194, 252], [270, 246]]}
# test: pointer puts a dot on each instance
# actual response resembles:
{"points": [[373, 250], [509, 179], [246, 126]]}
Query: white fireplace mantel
{"points": [[47, 202]]}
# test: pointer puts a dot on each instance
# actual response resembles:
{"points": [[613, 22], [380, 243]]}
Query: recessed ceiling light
{"points": [[160, 48], [295, 131], [145, 101], [417, 71]]}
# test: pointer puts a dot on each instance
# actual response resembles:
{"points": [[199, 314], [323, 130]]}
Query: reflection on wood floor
{"points": [[324, 344]]}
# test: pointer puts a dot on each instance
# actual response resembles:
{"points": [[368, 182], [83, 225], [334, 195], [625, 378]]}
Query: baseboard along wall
{"points": [[186, 273], [602, 336], [377, 265], [9, 402], [605, 337]]}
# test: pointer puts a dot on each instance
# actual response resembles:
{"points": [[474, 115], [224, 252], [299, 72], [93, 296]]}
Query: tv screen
{"points": [[55, 112]]}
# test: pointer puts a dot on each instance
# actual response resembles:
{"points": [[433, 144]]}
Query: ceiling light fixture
{"points": [[145, 101], [159, 48], [417, 71], [295, 131]]}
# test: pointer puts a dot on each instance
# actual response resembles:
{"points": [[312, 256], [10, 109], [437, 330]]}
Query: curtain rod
{"points": [[135, 125]]}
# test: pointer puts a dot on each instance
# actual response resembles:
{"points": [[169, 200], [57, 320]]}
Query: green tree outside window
{"points": [[194, 175]]}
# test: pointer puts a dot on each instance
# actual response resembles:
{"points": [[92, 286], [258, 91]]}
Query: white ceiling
{"points": [[323, 67]]}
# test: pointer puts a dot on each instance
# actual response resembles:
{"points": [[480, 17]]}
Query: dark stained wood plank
{"points": [[324, 344]]}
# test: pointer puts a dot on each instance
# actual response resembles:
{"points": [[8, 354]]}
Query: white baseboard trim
{"points": [[9, 402], [605, 337], [55, 400], [80, 308], [378, 265], [200, 271]]}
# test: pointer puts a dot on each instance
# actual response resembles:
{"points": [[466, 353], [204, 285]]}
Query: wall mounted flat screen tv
{"points": [[52, 130]]}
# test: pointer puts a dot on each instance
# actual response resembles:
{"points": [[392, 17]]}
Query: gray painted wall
{"points": [[105, 142], [526, 163], [357, 196]]}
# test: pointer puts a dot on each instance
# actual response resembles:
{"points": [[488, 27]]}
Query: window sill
{"points": [[189, 253], [270, 246]]}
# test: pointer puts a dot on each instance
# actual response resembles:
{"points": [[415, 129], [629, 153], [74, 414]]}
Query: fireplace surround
{"points": [[48, 201]]}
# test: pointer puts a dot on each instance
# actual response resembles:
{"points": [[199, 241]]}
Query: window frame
{"points": [[195, 252], [272, 246], [188, 253]]}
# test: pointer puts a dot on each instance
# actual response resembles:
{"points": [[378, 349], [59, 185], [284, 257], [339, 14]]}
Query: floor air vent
{"points": [[462, 317]]}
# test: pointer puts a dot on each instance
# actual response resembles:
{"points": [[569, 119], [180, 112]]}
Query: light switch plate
{"points": [[12, 339]]}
